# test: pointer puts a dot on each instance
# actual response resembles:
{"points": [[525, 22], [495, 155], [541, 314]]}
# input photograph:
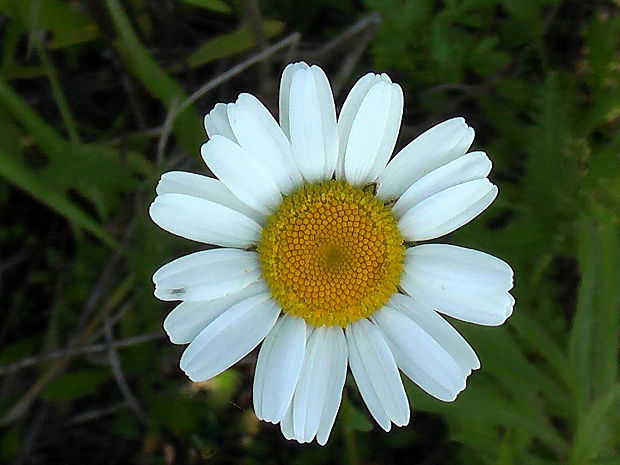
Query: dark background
{"points": [[95, 104]]}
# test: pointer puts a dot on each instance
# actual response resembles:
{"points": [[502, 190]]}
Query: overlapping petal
{"points": [[285, 95], [188, 318], [466, 284], [230, 337], [242, 173], [278, 367], [368, 126], [312, 122], [203, 221], [319, 390], [419, 355], [432, 149], [469, 167], [203, 187], [258, 133], [448, 210], [376, 374], [206, 275], [217, 123], [439, 329]]}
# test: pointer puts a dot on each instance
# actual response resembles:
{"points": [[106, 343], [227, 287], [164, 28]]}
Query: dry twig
{"points": [[75, 351], [176, 110]]}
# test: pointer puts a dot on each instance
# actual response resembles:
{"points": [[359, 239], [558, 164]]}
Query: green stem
{"points": [[350, 445], [61, 101]]}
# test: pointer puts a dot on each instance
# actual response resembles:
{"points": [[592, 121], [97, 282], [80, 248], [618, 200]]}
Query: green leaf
{"points": [[505, 452], [603, 38], [213, 5], [594, 434], [539, 339], [615, 460], [68, 24], [52, 143], [484, 407], [524, 23], [96, 172], [230, 44], [73, 385], [17, 173], [503, 356], [449, 48], [594, 335], [485, 57]]}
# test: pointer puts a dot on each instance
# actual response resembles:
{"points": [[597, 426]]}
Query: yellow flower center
{"points": [[331, 253]]}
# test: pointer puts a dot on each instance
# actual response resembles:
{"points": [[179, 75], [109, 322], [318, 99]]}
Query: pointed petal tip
{"points": [[387, 428]]}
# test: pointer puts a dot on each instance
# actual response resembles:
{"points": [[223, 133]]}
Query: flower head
{"points": [[319, 257]]}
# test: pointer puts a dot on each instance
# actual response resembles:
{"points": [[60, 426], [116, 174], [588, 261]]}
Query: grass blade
{"points": [[188, 126], [23, 178]]}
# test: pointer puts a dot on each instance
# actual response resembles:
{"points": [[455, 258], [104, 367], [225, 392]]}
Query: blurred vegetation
{"points": [[94, 106]]}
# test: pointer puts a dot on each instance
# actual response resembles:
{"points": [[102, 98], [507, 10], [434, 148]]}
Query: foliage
{"points": [[88, 88]]}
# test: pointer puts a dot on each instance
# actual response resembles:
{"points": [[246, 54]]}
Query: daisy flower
{"points": [[319, 256]]}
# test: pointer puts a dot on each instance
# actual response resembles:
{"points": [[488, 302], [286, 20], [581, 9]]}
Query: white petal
{"points": [[242, 174], [492, 310], [285, 94], [213, 190], [206, 275], [328, 121], [434, 148], [370, 397], [450, 266], [337, 377], [203, 221], [368, 131], [201, 258], [189, 318], [230, 337], [218, 124], [286, 425], [469, 167], [439, 329], [314, 375], [278, 367], [419, 356], [390, 133], [312, 129], [376, 374], [447, 210], [463, 283], [259, 134], [349, 111], [319, 390]]}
